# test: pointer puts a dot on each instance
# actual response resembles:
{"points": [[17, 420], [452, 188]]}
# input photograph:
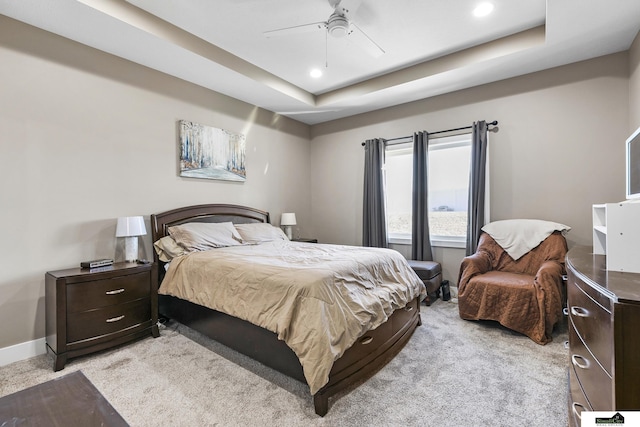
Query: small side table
{"points": [[88, 310], [304, 240]]}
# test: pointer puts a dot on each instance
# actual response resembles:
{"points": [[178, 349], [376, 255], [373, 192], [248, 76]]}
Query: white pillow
{"points": [[259, 232], [519, 236], [201, 236]]}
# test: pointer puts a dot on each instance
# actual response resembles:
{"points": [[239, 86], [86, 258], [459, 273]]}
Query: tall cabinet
{"points": [[616, 234], [604, 322]]}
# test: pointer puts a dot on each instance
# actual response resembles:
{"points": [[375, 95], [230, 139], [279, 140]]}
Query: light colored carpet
{"points": [[452, 372]]}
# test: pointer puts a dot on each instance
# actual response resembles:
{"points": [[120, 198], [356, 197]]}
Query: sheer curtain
{"points": [[374, 219], [476, 209], [420, 238]]}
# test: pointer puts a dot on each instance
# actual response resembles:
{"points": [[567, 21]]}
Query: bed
{"points": [[238, 325]]}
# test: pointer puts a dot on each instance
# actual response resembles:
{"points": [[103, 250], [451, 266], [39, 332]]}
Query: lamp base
{"points": [[131, 249], [288, 232]]}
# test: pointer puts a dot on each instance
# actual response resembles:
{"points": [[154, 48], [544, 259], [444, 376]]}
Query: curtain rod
{"points": [[493, 123]]}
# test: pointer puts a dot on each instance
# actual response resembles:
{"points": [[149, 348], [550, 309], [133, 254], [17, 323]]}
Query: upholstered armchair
{"points": [[522, 291]]}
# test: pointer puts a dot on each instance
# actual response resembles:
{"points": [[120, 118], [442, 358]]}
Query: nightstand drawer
{"points": [[107, 320], [106, 292], [593, 324]]}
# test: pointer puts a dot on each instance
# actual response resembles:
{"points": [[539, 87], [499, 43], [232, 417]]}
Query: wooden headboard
{"points": [[160, 222]]}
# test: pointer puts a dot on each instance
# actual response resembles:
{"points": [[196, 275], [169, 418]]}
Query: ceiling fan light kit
{"points": [[338, 25]]}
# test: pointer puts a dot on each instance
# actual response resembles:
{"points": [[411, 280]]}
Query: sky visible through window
{"points": [[449, 161]]}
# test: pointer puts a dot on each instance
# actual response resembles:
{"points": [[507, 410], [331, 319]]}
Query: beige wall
{"points": [[560, 149], [87, 137], [634, 85]]}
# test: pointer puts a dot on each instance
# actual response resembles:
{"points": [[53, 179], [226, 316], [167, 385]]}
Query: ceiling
{"points": [[430, 47]]}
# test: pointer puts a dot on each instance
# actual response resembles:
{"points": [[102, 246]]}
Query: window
{"points": [[449, 163]]}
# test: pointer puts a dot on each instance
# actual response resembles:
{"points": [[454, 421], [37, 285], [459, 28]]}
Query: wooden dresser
{"points": [[604, 335], [93, 309]]}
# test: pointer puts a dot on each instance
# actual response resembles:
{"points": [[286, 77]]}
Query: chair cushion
{"points": [[504, 279], [425, 270]]}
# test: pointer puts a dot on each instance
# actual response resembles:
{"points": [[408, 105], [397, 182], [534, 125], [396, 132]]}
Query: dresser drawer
{"points": [[595, 381], [107, 320], [106, 292], [577, 400], [593, 323]]}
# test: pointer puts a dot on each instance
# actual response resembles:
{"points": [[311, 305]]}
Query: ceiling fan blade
{"points": [[364, 41], [298, 29]]}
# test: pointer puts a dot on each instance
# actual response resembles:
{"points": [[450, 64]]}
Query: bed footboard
{"points": [[369, 354]]}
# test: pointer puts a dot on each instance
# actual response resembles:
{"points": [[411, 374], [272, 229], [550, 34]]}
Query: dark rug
{"points": [[70, 400]]}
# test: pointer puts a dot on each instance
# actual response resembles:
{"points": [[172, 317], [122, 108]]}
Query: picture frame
{"points": [[211, 153]]}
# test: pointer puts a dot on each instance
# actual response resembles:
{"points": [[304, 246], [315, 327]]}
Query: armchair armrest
{"points": [[550, 272], [471, 266], [548, 283]]}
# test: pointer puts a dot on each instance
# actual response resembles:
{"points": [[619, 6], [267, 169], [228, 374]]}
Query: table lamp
{"points": [[286, 221], [130, 227]]}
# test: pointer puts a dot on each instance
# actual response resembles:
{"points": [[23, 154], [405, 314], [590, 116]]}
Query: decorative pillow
{"points": [[519, 236], [259, 232], [167, 249], [201, 236]]}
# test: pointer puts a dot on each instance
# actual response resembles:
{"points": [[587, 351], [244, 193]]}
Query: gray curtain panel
{"points": [[374, 218], [476, 185], [420, 238]]}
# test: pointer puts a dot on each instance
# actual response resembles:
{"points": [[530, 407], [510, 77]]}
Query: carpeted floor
{"points": [[452, 372]]}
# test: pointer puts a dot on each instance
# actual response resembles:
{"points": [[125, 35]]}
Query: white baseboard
{"points": [[25, 350]]}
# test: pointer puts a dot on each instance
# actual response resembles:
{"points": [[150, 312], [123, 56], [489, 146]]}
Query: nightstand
{"points": [[302, 239], [88, 310]]}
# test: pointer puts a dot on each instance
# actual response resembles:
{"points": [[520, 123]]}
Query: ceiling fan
{"points": [[341, 23]]}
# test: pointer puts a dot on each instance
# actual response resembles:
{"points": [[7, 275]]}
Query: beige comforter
{"points": [[318, 298]]}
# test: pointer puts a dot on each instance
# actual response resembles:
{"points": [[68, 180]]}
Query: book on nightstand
{"points": [[96, 263]]}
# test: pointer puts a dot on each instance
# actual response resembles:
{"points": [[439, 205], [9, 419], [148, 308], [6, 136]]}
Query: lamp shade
{"points": [[130, 226], [288, 219]]}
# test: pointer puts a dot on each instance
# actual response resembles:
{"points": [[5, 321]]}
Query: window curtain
{"points": [[476, 208], [374, 218], [420, 238]]}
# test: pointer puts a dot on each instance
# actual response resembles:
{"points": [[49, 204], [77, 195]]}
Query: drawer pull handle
{"points": [[565, 311], [115, 291], [115, 319], [579, 361], [366, 340], [579, 311], [574, 407], [408, 308]]}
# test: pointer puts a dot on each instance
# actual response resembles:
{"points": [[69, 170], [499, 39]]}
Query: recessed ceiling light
{"points": [[316, 73], [483, 9]]}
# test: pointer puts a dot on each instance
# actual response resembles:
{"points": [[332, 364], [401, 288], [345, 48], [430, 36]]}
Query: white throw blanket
{"points": [[519, 236]]}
